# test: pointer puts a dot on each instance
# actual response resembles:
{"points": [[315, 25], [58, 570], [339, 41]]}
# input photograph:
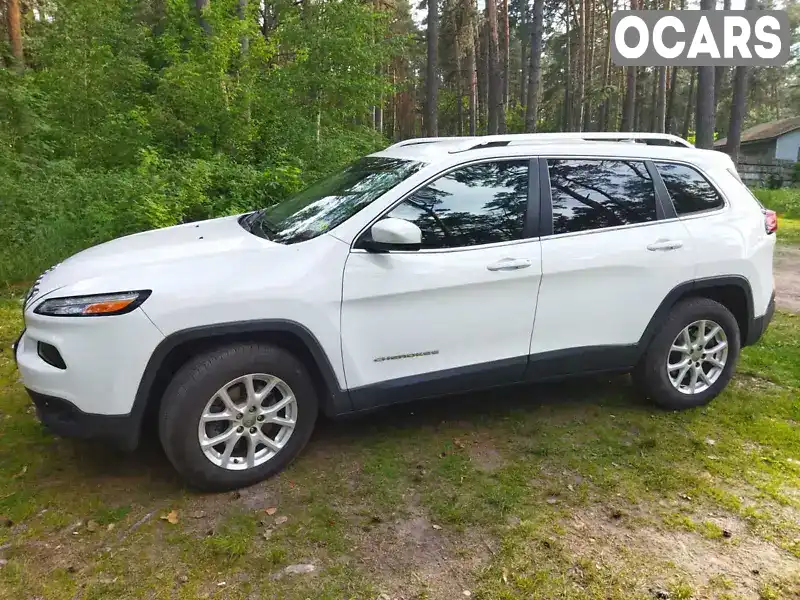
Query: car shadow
{"points": [[607, 390], [149, 467]]}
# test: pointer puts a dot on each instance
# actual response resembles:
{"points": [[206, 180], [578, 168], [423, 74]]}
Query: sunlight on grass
{"points": [[788, 230]]}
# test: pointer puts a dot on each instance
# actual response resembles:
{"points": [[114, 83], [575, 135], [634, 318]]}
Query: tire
{"points": [[188, 398], [651, 373]]}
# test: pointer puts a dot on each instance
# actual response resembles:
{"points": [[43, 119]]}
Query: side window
{"points": [[478, 204], [690, 192], [593, 194]]}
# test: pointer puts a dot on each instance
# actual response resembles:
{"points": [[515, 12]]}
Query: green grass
{"points": [[557, 491], [788, 230]]}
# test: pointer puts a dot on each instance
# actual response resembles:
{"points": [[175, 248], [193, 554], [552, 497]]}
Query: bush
{"points": [[784, 201], [50, 212]]}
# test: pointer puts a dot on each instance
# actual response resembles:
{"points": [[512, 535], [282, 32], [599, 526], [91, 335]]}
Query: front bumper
{"points": [[91, 392], [64, 418], [759, 325]]}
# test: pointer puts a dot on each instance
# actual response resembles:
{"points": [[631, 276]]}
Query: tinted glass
{"points": [[333, 200], [478, 204], [592, 194], [690, 192]]}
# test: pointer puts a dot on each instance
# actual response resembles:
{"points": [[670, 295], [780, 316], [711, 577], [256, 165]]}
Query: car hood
{"points": [[214, 237]]}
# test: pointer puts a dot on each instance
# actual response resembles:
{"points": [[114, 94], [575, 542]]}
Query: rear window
{"points": [[689, 190], [592, 194]]}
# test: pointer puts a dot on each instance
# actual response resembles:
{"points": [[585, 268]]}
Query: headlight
{"points": [[98, 305]]}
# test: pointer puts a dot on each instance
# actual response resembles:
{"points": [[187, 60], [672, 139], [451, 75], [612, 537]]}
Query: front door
{"points": [[459, 312]]}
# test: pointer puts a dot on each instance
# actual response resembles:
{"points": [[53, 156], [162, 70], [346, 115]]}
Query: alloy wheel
{"points": [[697, 357], [247, 421]]}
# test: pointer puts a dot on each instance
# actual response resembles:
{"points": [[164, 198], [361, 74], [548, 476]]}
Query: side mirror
{"points": [[393, 234]]}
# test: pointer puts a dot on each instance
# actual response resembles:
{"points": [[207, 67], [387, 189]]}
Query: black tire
{"points": [[650, 374], [196, 383]]}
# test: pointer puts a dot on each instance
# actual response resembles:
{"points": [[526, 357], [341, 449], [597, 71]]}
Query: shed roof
{"points": [[766, 131]]}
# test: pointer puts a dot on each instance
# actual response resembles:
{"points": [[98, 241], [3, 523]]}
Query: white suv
{"points": [[435, 266]]}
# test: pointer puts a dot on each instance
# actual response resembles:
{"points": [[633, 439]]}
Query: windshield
{"points": [[331, 201]]}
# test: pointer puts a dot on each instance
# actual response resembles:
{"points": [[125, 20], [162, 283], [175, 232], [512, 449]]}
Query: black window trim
{"points": [[530, 228], [546, 205], [667, 199], [664, 207]]}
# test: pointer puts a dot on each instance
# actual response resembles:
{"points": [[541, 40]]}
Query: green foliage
{"points": [[784, 201], [131, 115], [55, 210]]}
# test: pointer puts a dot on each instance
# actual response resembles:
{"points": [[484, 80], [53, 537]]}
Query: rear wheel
{"points": [[692, 358], [237, 415]]}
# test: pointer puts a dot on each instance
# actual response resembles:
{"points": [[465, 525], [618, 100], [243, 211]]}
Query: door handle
{"points": [[665, 245], [510, 264]]}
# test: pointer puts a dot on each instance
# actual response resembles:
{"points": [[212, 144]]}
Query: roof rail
{"points": [[430, 140], [588, 136]]}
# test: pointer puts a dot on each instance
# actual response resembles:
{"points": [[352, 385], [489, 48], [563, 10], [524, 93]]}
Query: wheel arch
{"points": [[733, 292], [177, 348]]}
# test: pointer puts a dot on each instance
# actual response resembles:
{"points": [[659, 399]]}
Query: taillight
{"points": [[771, 221]]}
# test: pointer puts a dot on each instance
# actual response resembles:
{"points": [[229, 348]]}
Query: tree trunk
{"points": [[503, 68], [605, 104], [473, 79], [738, 106], [506, 57], [704, 121], [641, 104], [484, 73], [535, 73], [719, 72], [687, 117], [459, 90], [619, 100], [431, 81], [241, 12], [671, 124], [580, 59], [378, 111], [15, 33], [661, 101], [266, 20], [629, 107], [776, 100], [523, 54], [660, 107], [590, 16], [669, 117], [200, 5], [567, 117], [495, 83], [405, 113], [244, 47]]}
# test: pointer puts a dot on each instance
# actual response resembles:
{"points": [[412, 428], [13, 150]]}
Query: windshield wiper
{"points": [[257, 224], [254, 223], [246, 221]]}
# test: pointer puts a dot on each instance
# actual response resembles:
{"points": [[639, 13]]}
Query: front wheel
{"points": [[692, 358], [237, 415]]}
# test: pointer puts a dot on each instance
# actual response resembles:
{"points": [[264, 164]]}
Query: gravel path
{"points": [[787, 278]]}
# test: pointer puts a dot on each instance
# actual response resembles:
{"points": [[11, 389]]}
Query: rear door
{"points": [[459, 312], [610, 256]]}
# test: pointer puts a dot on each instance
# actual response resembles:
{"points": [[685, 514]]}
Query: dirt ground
{"points": [[787, 278]]}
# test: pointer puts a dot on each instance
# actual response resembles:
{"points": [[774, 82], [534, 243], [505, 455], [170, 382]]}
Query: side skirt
{"points": [[548, 366]]}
